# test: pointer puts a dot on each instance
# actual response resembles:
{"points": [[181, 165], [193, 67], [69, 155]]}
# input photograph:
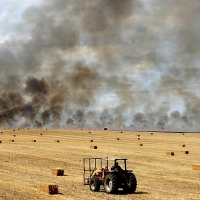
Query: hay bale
{"points": [[151, 133], [89, 132], [48, 188], [11, 140], [93, 147], [184, 152], [138, 138], [196, 167], [57, 172], [56, 140], [40, 133], [170, 153], [1, 132], [138, 135], [33, 140], [13, 129], [140, 145], [0, 141], [91, 140], [182, 145], [121, 132], [117, 138], [14, 135], [105, 129]]}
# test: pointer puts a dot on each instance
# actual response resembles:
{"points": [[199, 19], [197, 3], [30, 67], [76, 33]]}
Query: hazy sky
{"points": [[122, 64]]}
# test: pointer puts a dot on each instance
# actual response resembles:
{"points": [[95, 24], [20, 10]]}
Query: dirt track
{"points": [[25, 164]]}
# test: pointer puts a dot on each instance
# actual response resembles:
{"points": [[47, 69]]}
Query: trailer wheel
{"points": [[110, 183], [95, 184]]}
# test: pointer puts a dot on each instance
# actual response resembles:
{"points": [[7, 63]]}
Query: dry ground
{"points": [[25, 164]]}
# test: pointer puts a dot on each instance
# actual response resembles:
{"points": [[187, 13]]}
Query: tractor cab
{"points": [[118, 164]]}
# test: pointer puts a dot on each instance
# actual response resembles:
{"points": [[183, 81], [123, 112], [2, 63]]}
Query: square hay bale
{"points": [[11, 140], [33, 140], [170, 153], [138, 135], [57, 172], [48, 188], [184, 152], [56, 140], [93, 147], [196, 167], [182, 145]]}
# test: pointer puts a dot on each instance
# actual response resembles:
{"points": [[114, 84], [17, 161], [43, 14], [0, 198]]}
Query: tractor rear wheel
{"points": [[95, 184], [131, 184], [110, 183]]}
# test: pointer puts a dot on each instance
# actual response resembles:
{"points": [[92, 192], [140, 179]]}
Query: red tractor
{"points": [[111, 179]]}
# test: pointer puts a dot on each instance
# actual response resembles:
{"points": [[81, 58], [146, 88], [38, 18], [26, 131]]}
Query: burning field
{"points": [[130, 64], [31, 158]]}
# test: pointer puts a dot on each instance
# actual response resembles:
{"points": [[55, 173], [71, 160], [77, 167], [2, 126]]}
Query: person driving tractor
{"points": [[116, 167]]}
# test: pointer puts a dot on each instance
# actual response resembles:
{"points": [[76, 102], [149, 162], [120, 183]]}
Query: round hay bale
{"points": [[57, 141], [11, 140], [117, 138], [40, 133], [138, 138], [0, 141], [48, 188], [182, 145], [91, 140], [140, 145], [14, 135]]}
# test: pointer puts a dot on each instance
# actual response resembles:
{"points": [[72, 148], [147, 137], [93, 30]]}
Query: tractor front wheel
{"points": [[110, 183], [95, 184]]}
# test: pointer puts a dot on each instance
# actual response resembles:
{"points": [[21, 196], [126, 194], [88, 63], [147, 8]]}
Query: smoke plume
{"points": [[130, 64]]}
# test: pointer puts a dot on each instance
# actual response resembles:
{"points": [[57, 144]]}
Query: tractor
{"points": [[111, 179]]}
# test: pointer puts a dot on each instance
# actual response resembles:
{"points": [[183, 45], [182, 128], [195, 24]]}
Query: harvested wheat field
{"points": [[27, 160]]}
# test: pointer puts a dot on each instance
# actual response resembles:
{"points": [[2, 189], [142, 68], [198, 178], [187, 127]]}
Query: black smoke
{"points": [[130, 64]]}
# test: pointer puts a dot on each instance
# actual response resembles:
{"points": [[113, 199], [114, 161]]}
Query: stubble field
{"points": [[25, 164]]}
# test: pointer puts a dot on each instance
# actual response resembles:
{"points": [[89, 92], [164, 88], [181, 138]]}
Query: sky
{"points": [[130, 64]]}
